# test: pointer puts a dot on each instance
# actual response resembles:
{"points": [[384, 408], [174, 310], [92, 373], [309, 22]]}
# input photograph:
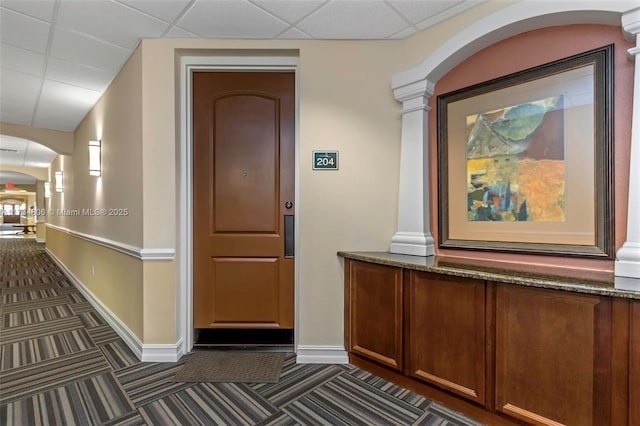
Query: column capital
{"points": [[631, 22], [415, 89]]}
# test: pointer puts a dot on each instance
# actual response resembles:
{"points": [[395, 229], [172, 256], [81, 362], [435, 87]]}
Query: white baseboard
{"points": [[145, 353], [321, 355], [40, 240]]}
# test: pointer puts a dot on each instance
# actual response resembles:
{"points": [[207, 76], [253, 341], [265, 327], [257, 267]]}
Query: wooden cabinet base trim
{"points": [[528, 416], [376, 356], [447, 384], [433, 393]]}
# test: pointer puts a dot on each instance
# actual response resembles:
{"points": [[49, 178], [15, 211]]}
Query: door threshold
{"points": [[243, 337], [245, 348]]}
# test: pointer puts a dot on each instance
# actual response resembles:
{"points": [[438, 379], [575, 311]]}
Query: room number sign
{"points": [[325, 160]]}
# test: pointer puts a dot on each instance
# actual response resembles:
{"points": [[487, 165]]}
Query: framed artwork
{"points": [[525, 161]]}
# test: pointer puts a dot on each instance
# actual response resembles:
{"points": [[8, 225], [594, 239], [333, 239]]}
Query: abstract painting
{"points": [[515, 162]]}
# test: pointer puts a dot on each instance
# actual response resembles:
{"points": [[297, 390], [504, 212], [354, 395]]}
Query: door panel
{"points": [[245, 290], [244, 130], [246, 157]]}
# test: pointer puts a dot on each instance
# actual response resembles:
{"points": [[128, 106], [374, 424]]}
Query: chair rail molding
{"points": [[414, 86], [628, 257]]}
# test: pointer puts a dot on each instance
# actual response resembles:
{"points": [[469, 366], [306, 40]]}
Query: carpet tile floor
{"points": [[62, 364]]}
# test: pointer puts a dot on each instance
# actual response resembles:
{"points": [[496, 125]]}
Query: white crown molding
{"points": [[145, 353], [321, 355], [137, 252]]}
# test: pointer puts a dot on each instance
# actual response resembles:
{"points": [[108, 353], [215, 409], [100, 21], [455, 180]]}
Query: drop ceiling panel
{"points": [[109, 21], [459, 7], [290, 10], [78, 75], [167, 10], [294, 34], [14, 85], [346, 19], [17, 113], [57, 56], [230, 19], [21, 60], [64, 104], [176, 32], [80, 49], [415, 11], [23, 31], [41, 9], [15, 177]]}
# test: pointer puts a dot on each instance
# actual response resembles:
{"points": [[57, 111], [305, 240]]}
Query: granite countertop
{"points": [[579, 281]]}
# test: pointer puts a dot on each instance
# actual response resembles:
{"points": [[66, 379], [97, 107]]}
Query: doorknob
{"points": [[288, 205]]}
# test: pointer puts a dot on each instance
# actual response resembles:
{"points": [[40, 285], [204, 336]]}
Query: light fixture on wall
{"points": [[95, 165], [47, 190], [59, 184]]}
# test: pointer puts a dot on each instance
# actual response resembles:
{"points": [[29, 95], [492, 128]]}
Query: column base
{"points": [[412, 243], [628, 261]]}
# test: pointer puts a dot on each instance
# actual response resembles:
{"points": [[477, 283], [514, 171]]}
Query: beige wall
{"points": [[346, 104], [116, 279], [59, 141], [117, 121]]}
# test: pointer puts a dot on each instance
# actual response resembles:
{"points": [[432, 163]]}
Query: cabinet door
{"points": [[446, 340], [634, 365], [376, 313], [553, 360]]}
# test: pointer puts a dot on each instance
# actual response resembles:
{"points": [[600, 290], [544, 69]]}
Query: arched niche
{"points": [[414, 87]]}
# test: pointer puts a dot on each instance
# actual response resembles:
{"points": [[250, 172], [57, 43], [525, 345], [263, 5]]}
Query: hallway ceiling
{"points": [[58, 56]]}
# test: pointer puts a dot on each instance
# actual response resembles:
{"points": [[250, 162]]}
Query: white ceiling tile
{"points": [[290, 10], [230, 19], [415, 11], [63, 106], [16, 114], [15, 84], [22, 31], [80, 49], [294, 34], [17, 59], [177, 32], [349, 19], [67, 96], [453, 10], [78, 75], [167, 10], [109, 21], [13, 143], [403, 34], [15, 177], [41, 9]]}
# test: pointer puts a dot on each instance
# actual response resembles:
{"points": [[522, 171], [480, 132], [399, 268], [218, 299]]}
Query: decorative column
{"points": [[413, 234], [628, 257]]}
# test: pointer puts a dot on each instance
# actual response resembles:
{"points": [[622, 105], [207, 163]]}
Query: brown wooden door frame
{"points": [[261, 61]]}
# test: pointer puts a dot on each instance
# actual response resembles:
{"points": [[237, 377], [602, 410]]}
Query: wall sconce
{"points": [[47, 190], [59, 185], [95, 166]]}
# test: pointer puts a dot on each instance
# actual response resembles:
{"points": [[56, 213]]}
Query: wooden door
{"points": [[243, 191]]}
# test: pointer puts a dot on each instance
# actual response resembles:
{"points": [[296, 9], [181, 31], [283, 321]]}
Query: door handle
{"points": [[289, 235]]}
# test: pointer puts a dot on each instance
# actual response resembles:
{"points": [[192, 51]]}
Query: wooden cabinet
{"points": [[376, 313], [634, 364], [446, 333], [553, 354], [504, 352]]}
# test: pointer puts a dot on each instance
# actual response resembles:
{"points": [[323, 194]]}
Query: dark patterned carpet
{"points": [[61, 364]]}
